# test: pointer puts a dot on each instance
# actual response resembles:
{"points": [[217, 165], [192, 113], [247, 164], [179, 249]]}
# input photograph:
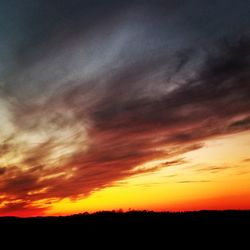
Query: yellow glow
{"points": [[213, 177]]}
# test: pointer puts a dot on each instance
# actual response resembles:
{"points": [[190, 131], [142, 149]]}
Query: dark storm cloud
{"points": [[42, 26], [220, 92], [34, 31], [132, 129], [53, 21], [120, 84]]}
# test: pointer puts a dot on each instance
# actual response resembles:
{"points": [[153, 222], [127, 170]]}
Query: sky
{"points": [[108, 105]]}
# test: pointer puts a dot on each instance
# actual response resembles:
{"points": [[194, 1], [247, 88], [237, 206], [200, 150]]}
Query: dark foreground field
{"points": [[145, 226], [134, 220]]}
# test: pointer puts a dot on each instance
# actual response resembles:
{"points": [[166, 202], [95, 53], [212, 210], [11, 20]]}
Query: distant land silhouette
{"points": [[142, 227], [134, 220]]}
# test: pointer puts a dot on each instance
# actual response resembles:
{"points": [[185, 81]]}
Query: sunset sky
{"points": [[117, 104]]}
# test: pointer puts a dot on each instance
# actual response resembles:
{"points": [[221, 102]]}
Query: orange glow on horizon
{"points": [[215, 176], [208, 180]]}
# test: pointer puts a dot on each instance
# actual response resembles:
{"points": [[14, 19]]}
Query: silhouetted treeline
{"points": [[158, 228], [136, 219]]}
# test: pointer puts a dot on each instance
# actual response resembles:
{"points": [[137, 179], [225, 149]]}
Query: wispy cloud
{"points": [[193, 181], [213, 169], [246, 160]]}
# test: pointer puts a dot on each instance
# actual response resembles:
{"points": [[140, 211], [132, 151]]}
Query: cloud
{"points": [[20, 208], [2, 171], [244, 123], [174, 162], [191, 181], [213, 169], [126, 129]]}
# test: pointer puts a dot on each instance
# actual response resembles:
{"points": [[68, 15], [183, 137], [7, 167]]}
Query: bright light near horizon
{"points": [[191, 185]]}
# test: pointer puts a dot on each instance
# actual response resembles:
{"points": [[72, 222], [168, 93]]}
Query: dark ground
{"points": [[142, 226]]}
